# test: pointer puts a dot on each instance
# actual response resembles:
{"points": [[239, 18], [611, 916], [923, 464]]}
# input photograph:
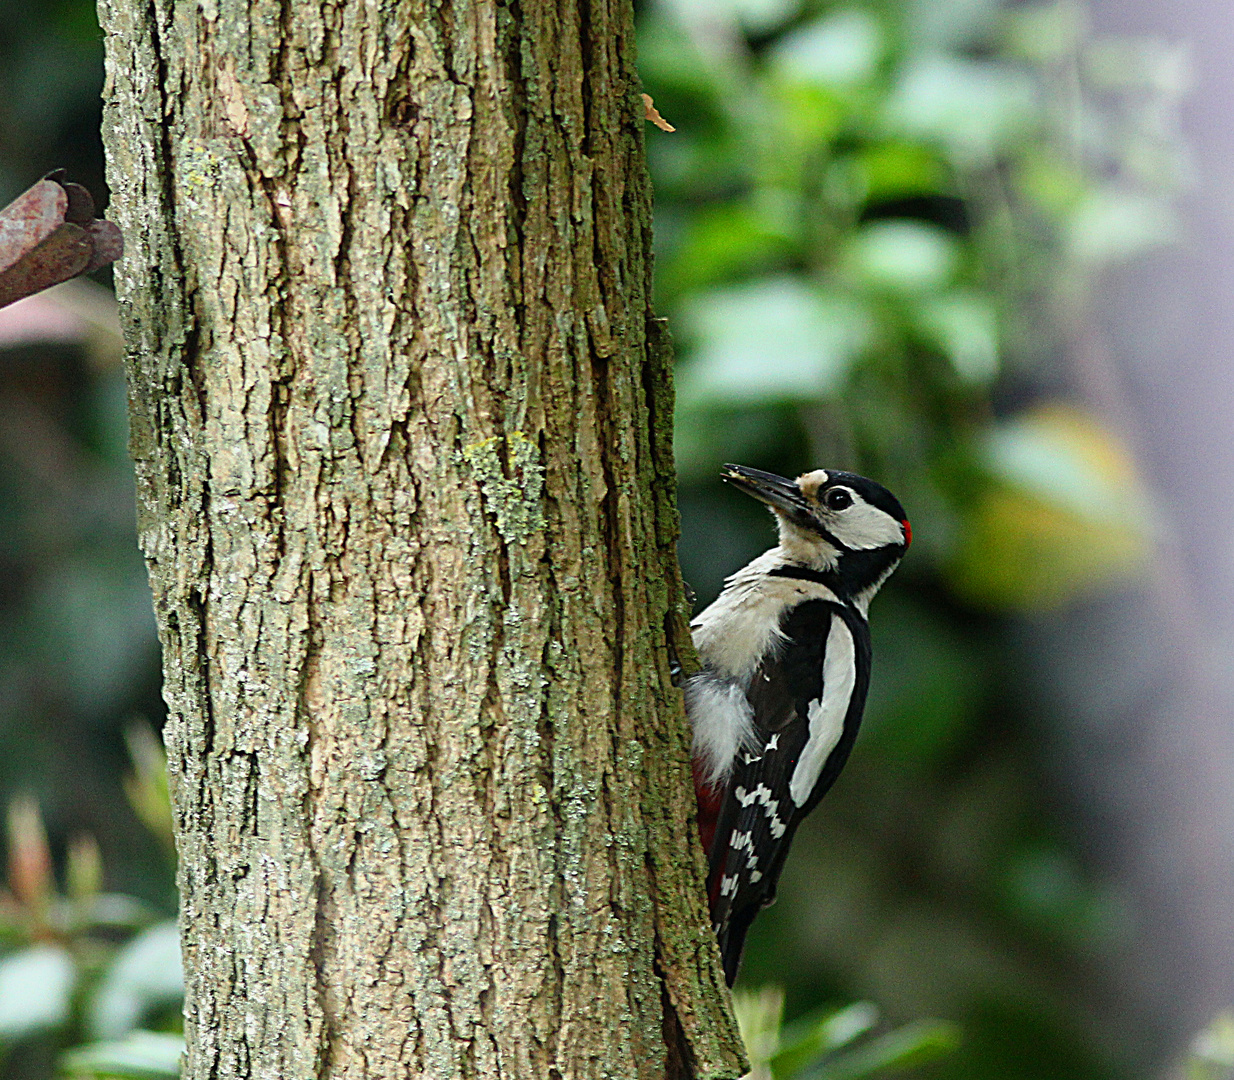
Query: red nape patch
{"points": [[710, 799], [908, 533]]}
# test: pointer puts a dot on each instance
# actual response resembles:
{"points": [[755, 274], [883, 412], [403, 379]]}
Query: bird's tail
{"points": [[732, 939]]}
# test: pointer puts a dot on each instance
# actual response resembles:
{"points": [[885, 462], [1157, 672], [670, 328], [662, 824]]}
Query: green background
{"points": [[888, 235]]}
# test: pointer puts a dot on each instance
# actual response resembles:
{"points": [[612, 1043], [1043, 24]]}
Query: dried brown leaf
{"points": [[30, 219], [49, 234], [654, 116], [64, 254]]}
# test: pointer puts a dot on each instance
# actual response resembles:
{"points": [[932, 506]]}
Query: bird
{"points": [[785, 652]]}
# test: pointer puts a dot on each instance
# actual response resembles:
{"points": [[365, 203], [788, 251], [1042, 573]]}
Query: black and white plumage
{"points": [[786, 654]]}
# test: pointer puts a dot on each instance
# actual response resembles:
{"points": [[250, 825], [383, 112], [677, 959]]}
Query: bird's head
{"points": [[836, 522]]}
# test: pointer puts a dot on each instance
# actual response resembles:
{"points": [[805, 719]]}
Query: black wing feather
{"points": [[759, 818]]}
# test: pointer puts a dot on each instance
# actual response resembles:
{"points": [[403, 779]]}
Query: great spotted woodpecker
{"points": [[786, 654]]}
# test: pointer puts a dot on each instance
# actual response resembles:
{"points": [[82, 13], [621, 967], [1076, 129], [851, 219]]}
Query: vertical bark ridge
{"points": [[402, 425]]}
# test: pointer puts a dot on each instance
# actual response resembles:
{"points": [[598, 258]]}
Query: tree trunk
{"points": [[401, 421]]}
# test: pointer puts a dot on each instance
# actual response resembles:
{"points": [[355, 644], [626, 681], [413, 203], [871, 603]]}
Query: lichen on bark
{"points": [[511, 485], [401, 421]]}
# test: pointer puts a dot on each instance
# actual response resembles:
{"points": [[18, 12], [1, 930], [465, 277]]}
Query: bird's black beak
{"points": [[777, 492]]}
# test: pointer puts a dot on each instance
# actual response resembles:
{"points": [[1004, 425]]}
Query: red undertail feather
{"points": [[710, 800]]}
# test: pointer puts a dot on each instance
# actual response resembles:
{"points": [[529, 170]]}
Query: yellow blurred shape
{"points": [[1063, 515], [759, 1016]]}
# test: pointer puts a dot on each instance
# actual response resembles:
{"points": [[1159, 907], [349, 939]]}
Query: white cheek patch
{"points": [[862, 527], [826, 714]]}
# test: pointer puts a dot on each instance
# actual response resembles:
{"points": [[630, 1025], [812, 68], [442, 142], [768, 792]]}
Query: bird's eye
{"points": [[838, 498]]}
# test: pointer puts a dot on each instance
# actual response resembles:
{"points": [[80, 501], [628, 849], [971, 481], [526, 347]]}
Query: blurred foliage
{"points": [[83, 963], [880, 228], [86, 936], [51, 74], [832, 1044], [874, 224], [1212, 1052], [141, 1055], [78, 650]]}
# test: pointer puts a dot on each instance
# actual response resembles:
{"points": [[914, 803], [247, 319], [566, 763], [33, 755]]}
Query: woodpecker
{"points": [[786, 655]]}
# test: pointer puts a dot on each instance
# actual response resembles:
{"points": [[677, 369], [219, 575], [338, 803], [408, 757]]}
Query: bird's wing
{"points": [[802, 697]]}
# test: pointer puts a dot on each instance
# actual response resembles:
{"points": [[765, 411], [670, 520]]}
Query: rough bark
{"points": [[401, 421]]}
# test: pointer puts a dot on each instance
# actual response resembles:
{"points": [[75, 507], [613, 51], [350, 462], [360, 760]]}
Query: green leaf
{"points": [[823, 1036], [36, 989], [145, 975], [1111, 225], [722, 243], [757, 16], [147, 785], [1045, 32], [964, 328], [798, 118], [1066, 457], [972, 108], [888, 170], [1212, 1051], [759, 1014], [932, 26], [144, 1055], [914, 1044], [772, 340], [902, 256], [1055, 185], [1063, 516], [840, 50]]}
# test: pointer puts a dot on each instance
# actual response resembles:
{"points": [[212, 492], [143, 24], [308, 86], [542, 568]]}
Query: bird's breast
{"points": [[734, 633]]}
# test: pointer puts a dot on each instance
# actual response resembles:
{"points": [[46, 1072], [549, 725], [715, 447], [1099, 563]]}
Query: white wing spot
{"points": [[756, 876], [772, 744]]}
